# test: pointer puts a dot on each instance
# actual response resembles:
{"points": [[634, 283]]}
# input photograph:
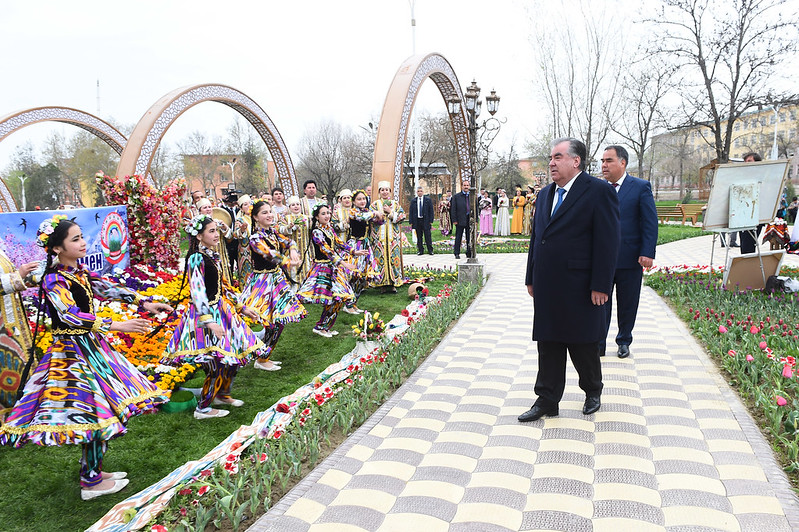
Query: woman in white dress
{"points": [[502, 224]]}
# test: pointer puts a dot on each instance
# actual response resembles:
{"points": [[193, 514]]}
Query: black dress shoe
{"points": [[624, 351], [591, 404], [457, 256], [601, 351], [538, 411]]}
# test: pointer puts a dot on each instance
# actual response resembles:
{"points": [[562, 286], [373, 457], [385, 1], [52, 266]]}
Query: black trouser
{"points": [[423, 229], [627, 282], [551, 379], [459, 230], [748, 244]]}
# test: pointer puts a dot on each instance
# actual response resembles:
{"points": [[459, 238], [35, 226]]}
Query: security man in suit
{"points": [[639, 235], [421, 219], [460, 211], [570, 265]]}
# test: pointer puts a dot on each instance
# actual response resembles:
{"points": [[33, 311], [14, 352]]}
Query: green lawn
{"points": [[41, 490]]}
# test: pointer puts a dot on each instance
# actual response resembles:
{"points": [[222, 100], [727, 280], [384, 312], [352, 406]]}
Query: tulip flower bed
{"points": [[754, 337]]}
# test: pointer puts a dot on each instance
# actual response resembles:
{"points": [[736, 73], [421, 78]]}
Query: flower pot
{"points": [[181, 401]]}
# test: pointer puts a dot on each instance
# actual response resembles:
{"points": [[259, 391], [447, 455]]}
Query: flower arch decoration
{"points": [[393, 129], [143, 142]]}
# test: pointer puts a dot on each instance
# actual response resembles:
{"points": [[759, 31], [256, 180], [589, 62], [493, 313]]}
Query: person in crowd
{"points": [[748, 239], [279, 206], [502, 223], [310, 200], [793, 207], [639, 235], [327, 283], [341, 213], [242, 234], [82, 391], [529, 206], [368, 190], [366, 271], [297, 226], [387, 239], [421, 220], [444, 220], [486, 218], [267, 292], [225, 235], [570, 266], [517, 221], [461, 213], [230, 204], [267, 197], [211, 333]]}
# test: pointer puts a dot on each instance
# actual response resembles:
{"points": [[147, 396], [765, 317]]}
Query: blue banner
{"points": [[105, 230]]}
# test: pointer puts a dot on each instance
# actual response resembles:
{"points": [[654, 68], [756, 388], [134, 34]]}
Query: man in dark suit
{"points": [[421, 219], [639, 235], [460, 210], [570, 265]]}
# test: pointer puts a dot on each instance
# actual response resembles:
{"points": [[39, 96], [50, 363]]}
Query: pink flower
{"points": [[262, 458], [754, 330], [722, 329], [781, 401], [202, 491], [732, 353], [183, 512], [158, 528], [787, 371], [195, 502], [763, 344], [749, 358]]}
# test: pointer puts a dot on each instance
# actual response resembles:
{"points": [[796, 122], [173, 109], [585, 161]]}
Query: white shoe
{"points": [[228, 402], [351, 310], [334, 333], [118, 475], [211, 413], [276, 362], [273, 367], [86, 494], [320, 332]]}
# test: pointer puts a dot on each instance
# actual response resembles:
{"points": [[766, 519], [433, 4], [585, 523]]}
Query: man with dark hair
{"points": [[639, 235], [752, 157], [421, 219], [748, 244], [570, 265], [309, 201], [460, 212]]}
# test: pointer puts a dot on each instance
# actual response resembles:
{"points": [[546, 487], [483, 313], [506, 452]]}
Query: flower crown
{"points": [[46, 229], [196, 224], [355, 193]]}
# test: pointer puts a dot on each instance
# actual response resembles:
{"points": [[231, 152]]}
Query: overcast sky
{"points": [[302, 61]]}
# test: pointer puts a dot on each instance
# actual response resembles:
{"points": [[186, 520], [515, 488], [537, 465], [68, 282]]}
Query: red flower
{"points": [[277, 434], [202, 491], [205, 473], [185, 491], [235, 446], [405, 312], [283, 408], [159, 528], [306, 412]]}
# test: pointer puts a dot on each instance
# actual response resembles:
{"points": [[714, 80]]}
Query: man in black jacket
{"points": [[421, 219], [460, 211]]}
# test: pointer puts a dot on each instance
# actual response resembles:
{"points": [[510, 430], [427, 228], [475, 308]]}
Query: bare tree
{"points": [[201, 158], [728, 52], [324, 156], [437, 145]]}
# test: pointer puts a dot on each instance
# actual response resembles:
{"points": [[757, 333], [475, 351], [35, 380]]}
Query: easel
{"points": [[727, 232]]}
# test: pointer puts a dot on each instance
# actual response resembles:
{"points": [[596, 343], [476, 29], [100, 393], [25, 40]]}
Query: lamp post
{"points": [[481, 136], [22, 178], [232, 165], [775, 152]]}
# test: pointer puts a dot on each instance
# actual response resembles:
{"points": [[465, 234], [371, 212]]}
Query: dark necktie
{"points": [[561, 192], [615, 185]]}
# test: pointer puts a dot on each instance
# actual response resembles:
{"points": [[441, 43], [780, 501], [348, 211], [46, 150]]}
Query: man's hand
{"points": [[645, 262], [598, 298], [530, 290]]}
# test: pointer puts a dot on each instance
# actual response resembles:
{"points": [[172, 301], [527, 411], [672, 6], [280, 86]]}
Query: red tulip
{"points": [[781, 401], [749, 358]]}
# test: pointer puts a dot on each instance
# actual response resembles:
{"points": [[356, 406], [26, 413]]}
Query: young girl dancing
{"points": [[267, 292], [82, 392], [327, 281], [366, 272], [211, 333]]}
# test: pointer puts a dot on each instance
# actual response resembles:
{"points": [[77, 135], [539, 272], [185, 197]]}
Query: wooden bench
{"points": [[666, 212], [692, 211]]}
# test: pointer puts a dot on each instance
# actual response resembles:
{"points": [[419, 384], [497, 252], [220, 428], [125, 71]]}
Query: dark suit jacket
{"points": [[570, 255], [418, 220], [458, 209], [639, 222]]}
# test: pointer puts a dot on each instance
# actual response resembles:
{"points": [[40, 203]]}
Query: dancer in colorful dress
{"points": [[297, 226], [518, 212], [267, 292], [366, 271], [82, 392], [242, 233], [327, 282], [386, 239], [486, 219], [529, 209], [211, 333], [502, 223], [444, 220]]}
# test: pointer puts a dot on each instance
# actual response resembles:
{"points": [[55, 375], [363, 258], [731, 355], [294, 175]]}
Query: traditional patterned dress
{"points": [[444, 220], [212, 301], [297, 227], [82, 391], [387, 243], [267, 292], [486, 220], [527, 225], [327, 283], [341, 221], [15, 334], [367, 270], [518, 215], [502, 223], [242, 235]]}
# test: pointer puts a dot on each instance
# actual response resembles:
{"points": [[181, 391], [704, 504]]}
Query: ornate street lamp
{"points": [[480, 138]]}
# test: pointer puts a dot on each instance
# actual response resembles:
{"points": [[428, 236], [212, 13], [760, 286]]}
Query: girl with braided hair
{"points": [[211, 333], [82, 392], [366, 272]]}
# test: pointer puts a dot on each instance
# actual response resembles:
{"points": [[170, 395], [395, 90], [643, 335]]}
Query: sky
{"points": [[301, 61]]}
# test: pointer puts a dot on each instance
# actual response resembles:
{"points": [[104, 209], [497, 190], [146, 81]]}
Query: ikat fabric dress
{"points": [[387, 242], [327, 282]]}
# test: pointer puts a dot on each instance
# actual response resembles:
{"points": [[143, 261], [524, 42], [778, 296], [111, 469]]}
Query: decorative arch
{"points": [[143, 142], [20, 119], [392, 131]]}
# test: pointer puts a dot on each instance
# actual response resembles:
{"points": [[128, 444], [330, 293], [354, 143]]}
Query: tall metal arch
{"points": [[147, 135], [20, 119], [393, 129]]}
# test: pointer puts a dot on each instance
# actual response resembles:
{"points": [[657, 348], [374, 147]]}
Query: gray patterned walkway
{"points": [[671, 449]]}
